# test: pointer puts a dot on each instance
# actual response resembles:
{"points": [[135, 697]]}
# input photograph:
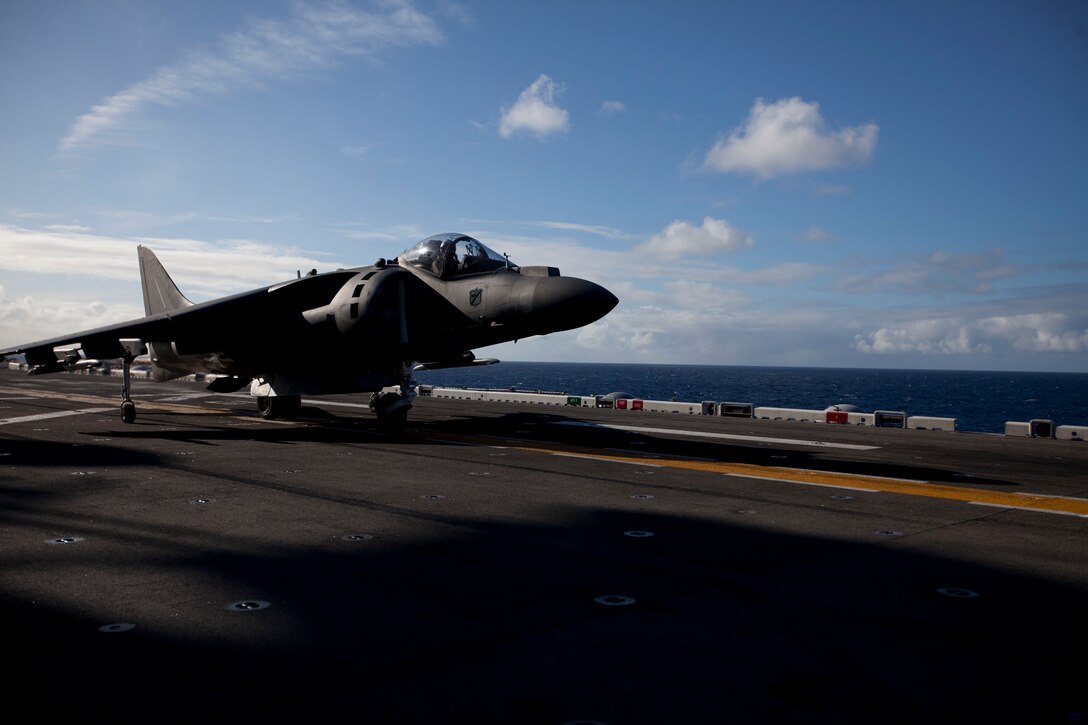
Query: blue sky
{"points": [[833, 184]]}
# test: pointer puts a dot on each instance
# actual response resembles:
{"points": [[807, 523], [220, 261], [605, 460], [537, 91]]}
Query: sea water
{"points": [[980, 401]]}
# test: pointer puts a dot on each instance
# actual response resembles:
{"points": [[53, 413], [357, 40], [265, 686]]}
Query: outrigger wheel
{"points": [[132, 347]]}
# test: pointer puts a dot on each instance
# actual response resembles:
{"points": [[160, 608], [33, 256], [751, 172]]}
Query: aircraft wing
{"points": [[203, 326], [99, 343]]}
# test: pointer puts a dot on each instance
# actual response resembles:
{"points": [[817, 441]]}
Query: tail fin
{"points": [[160, 292]]}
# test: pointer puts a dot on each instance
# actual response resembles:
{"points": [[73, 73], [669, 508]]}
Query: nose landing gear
{"points": [[392, 404], [392, 409]]}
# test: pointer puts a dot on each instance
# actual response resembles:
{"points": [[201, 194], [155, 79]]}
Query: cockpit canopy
{"points": [[453, 255]]}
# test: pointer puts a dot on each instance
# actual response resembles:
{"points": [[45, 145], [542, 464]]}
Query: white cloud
{"points": [[129, 219], [199, 268], [777, 275], [28, 319], [636, 273], [695, 309], [689, 294], [789, 136], [61, 279], [356, 152], [1040, 332], [1046, 332], [597, 229], [816, 234], [830, 189], [936, 273], [729, 334], [610, 107], [535, 111], [572, 258], [936, 336], [313, 37], [387, 241], [681, 239]]}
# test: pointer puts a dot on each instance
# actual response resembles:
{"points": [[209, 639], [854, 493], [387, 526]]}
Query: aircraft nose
{"points": [[564, 303]]}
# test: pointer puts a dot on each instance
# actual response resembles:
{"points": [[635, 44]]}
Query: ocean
{"points": [[980, 401]]}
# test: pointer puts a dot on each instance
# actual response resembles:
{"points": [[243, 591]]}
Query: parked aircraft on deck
{"points": [[364, 329]]}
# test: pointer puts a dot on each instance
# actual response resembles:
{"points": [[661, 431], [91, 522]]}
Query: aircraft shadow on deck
{"points": [[500, 621], [551, 427], [316, 425], [80, 455]]}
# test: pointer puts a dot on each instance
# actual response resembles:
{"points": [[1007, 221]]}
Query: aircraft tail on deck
{"points": [[160, 295], [160, 292]]}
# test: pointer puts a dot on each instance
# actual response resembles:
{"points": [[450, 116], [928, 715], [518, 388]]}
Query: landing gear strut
{"points": [[128, 408]]}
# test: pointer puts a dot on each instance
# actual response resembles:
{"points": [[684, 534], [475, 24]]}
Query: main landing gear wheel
{"points": [[391, 409], [278, 406], [128, 412]]}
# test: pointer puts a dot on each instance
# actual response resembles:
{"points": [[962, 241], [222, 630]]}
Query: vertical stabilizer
{"points": [[160, 292]]}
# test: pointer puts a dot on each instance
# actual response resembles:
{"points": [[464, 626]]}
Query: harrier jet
{"points": [[364, 329]]}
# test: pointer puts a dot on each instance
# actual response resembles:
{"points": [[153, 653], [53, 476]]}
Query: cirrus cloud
{"points": [[207, 268], [314, 37]]}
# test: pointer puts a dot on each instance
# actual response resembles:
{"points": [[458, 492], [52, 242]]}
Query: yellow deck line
{"points": [[1033, 502], [1053, 504]]}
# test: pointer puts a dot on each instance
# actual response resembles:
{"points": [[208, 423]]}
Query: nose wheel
{"points": [[391, 409], [392, 404]]}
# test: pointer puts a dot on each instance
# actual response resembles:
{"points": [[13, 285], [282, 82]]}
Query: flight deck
{"points": [[501, 562]]}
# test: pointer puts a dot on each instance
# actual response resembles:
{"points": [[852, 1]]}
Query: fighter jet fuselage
{"points": [[360, 329]]}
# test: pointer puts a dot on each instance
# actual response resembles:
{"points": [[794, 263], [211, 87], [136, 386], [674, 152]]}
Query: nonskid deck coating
{"points": [[471, 568]]}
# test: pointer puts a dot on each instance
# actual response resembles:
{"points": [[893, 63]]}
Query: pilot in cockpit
{"points": [[453, 255]]}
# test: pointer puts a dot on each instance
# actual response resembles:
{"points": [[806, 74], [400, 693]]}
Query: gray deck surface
{"points": [[493, 564]]}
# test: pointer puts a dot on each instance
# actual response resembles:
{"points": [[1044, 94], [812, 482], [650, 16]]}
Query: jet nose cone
{"points": [[564, 303]]}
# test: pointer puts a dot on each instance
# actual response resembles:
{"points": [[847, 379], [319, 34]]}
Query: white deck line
{"points": [[722, 436], [47, 416]]}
